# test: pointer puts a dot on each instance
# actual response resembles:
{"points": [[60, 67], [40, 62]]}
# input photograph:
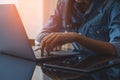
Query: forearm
{"points": [[99, 47]]}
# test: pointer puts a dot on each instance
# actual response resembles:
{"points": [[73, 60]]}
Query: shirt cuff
{"points": [[37, 43], [40, 37]]}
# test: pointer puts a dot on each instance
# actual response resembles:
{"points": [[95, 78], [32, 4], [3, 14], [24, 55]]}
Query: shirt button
{"points": [[98, 32]]}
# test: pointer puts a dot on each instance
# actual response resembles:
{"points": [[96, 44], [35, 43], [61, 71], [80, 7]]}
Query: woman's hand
{"points": [[57, 39]]}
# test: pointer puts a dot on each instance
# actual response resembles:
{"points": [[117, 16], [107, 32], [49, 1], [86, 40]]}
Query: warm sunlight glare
{"points": [[34, 13], [31, 14]]}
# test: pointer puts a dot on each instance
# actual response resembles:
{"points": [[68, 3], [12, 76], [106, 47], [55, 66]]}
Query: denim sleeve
{"points": [[40, 37], [114, 27], [55, 21]]}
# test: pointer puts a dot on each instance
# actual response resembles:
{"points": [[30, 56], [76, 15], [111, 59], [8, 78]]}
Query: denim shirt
{"points": [[100, 22]]}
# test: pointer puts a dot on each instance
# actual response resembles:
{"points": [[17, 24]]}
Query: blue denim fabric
{"points": [[100, 22]]}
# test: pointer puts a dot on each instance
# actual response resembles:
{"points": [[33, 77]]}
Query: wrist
{"points": [[76, 37]]}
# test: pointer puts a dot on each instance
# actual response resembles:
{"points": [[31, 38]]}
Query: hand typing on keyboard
{"points": [[46, 52], [37, 49]]}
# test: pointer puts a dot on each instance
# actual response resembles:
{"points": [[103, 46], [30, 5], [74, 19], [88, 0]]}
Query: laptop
{"points": [[17, 59]]}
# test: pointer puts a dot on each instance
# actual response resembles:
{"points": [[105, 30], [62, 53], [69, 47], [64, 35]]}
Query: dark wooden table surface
{"points": [[88, 63]]}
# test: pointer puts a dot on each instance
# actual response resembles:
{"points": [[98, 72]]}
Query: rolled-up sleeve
{"points": [[114, 27]]}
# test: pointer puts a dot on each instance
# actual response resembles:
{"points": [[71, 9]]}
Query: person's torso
{"points": [[93, 23]]}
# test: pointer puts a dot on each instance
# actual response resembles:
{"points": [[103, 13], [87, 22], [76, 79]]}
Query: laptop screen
{"points": [[13, 38]]}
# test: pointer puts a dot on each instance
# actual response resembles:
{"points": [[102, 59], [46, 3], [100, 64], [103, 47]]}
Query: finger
{"points": [[54, 43], [51, 38], [42, 44], [42, 47], [47, 52], [42, 52], [57, 39], [55, 49], [59, 47]]}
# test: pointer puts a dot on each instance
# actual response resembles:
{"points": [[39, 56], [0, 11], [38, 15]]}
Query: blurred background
{"points": [[33, 13]]}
